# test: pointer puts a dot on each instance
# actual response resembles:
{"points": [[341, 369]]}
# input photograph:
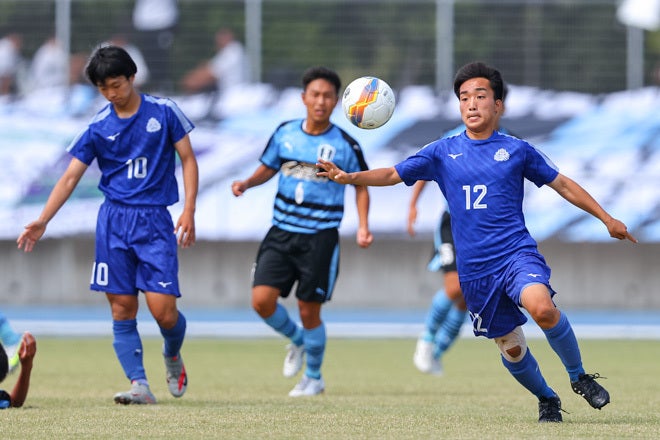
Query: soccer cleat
{"points": [[139, 394], [549, 409], [12, 356], [587, 387], [177, 379], [293, 360], [308, 387], [424, 359]]}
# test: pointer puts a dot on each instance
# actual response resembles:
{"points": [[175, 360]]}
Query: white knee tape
{"points": [[514, 339]]}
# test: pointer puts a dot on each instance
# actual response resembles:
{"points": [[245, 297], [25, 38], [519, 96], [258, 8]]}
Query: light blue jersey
{"points": [[483, 182], [136, 155], [306, 203]]}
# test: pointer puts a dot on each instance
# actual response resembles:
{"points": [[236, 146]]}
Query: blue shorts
{"points": [[494, 300], [136, 249]]}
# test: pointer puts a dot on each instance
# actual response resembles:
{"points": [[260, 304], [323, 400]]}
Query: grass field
{"points": [[236, 391]]}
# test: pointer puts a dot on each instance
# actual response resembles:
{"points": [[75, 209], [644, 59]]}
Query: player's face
{"points": [[320, 98], [118, 90], [480, 110]]}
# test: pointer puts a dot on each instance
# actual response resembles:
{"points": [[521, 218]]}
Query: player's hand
{"points": [[238, 187], [185, 230], [31, 235], [364, 237], [27, 350], [412, 219], [332, 172], [618, 230]]}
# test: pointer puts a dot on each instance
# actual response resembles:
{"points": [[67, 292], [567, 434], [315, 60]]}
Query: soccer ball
{"points": [[368, 102]]}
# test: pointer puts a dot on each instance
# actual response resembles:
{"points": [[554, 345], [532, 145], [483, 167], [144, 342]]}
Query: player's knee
{"points": [[513, 346], [166, 319], [546, 315]]}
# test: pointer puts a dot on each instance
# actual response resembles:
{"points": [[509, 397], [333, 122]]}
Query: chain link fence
{"points": [[574, 45]]}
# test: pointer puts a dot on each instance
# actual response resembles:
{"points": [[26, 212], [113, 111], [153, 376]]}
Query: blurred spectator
{"points": [[142, 75], [10, 61], [226, 69], [155, 21], [49, 66], [53, 67]]}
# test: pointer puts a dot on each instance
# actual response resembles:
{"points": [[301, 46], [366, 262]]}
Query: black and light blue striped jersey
{"points": [[483, 182], [136, 155], [306, 203]]}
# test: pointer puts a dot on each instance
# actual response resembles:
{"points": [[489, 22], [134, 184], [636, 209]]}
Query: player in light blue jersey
{"points": [[135, 140], [303, 243], [11, 340], [481, 173]]}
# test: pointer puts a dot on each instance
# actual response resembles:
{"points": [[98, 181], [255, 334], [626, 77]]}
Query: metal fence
{"points": [[574, 45]]}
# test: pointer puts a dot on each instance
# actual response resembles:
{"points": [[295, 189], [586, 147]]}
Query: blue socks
{"points": [[449, 331], [314, 349], [174, 337], [282, 323], [128, 347], [440, 306], [528, 373], [562, 340]]}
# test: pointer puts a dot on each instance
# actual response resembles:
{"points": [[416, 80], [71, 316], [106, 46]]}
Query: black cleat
{"points": [[592, 391], [549, 409]]}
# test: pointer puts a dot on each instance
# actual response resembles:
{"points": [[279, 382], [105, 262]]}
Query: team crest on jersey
{"points": [[326, 152], [501, 155], [153, 125]]}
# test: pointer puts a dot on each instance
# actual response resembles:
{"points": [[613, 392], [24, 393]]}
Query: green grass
{"points": [[236, 391]]}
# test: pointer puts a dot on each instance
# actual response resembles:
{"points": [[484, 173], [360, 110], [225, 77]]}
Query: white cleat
{"points": [[293, 360], [308, 387], [424, 359], [177, 378], [139, 394]]}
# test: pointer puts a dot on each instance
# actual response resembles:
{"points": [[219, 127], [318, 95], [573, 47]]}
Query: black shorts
{"points": [[447, 251], [312, 260]]}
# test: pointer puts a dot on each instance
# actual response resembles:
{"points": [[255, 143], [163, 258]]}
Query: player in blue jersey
{"points": [[27, 349], [448, 309], [303, 243], [135, 140], [481, 173]]}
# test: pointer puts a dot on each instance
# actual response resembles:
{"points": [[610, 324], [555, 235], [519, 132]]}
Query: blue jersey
{"points": [[483, 182], [306, 203], [136, 155]]}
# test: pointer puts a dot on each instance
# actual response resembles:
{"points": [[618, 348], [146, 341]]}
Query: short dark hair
{"points": [[4, 363], [109, 62], [480, 70], [321, 72]]}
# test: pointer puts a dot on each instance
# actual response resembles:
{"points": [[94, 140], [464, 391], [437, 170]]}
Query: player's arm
{"points": [[26, 353], [261, 175], [418, 187], [578, 196], [58, 196], [364, 237], [185, 226], [375, 177]]}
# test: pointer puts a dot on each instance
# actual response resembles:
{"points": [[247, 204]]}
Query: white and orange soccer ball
{"points": [[368, 102]]}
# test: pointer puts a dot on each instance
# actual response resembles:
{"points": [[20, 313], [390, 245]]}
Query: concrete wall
{"points": [[391, 274]]}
